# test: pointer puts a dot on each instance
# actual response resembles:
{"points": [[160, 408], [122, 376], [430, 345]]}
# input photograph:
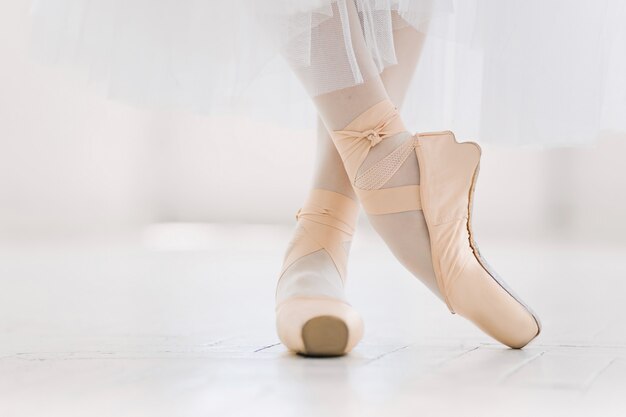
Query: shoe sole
{"points": [[472, 242], [325, 336], [318, 326], [482, 260]]}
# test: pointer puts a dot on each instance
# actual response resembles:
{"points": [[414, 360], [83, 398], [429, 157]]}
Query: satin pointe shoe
{"points": [[448, 171], [470, 286], [313, 317]]}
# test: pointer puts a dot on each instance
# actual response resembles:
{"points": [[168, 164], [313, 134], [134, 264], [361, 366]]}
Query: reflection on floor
{"points": [[180, 323]]}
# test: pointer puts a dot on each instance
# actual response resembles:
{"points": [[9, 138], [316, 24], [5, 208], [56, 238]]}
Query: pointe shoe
{"points": [[312, 316], [471, 288], [448, 172]]}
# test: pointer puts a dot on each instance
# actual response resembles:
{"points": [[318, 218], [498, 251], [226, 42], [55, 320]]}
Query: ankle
{"points": [[340, 186], [392, 163], [377, 124], [383, 149]]}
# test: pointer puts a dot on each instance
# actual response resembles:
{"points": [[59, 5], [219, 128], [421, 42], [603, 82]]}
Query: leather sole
{"points": [[496, 277], [317, 326], [325, 336]]}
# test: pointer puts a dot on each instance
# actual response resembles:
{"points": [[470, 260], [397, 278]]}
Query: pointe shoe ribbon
{"points": [[354, 142], [327, 221], [366, 131]]}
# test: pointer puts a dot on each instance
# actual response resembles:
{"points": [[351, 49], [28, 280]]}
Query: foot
{"points": [[312, 315], [404, 232], [386, 165]]}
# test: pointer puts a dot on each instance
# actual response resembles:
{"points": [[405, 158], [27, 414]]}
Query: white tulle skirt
{"points": [[522, 72]]}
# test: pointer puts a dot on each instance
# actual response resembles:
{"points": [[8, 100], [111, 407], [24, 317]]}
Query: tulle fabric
{"points": [[512, 72], [192, 53], [316, 39]]}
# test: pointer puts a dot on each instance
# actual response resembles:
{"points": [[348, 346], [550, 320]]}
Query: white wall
{"points": [[73, 162]]}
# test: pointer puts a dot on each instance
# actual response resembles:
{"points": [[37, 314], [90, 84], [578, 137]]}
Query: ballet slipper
{"points": [[448, 171], [312, 316]]}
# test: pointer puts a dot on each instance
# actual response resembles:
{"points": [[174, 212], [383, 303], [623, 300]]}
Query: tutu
{"points": [[508, 72]]}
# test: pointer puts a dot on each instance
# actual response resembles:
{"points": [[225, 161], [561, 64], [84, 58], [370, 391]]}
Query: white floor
{"points": [[180, 323]]}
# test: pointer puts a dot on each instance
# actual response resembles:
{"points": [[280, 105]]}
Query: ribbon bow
{"points": [[366, 131], [388, 126], [373, 136]]}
